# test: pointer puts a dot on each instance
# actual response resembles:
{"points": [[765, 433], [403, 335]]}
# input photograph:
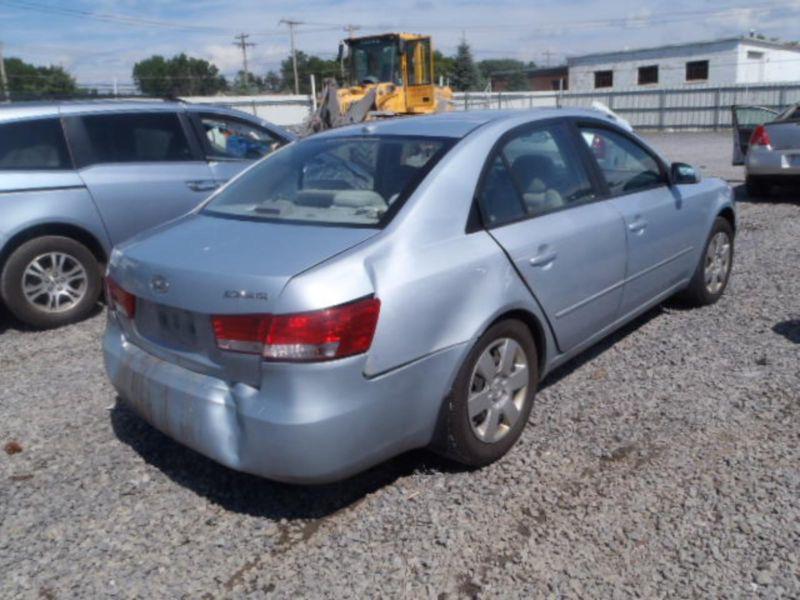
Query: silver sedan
{"points": [[403, 284], [767, 143]]}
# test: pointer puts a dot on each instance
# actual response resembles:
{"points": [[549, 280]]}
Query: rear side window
{"points": [[155, 137], [535, 173], [33, 145], [626, 166]]}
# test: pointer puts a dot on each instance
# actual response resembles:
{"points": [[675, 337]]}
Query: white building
{"points": [[741, 60]]}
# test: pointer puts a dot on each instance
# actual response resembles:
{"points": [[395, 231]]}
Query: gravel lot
{"points": [[664, 462]]}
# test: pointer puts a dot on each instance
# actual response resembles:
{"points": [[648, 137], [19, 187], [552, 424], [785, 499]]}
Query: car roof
{"points": [[460, 123], [17, 110], [21, 110]]}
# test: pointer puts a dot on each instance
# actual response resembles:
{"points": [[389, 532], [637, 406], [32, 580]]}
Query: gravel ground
{"points": [[664, 462]]}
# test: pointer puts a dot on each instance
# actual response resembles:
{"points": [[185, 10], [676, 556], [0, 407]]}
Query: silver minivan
{"points": [[78, 178]]}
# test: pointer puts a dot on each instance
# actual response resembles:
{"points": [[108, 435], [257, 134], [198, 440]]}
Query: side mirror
{"points": [[681, 173]]}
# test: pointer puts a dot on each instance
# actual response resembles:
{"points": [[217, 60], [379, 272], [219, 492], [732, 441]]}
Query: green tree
{"points": [[180, 75], [251, 85], [308, 65], [273, 82], [465, 73], [30, 81], [510, 70], [443, 66]]}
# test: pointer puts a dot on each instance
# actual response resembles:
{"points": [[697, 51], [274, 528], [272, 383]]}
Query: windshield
{"points": [[357, 181], [375, 60]]}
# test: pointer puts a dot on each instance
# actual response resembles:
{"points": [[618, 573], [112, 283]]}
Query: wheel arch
{"points": [[728, 214], [536, 328], [74, 232]]}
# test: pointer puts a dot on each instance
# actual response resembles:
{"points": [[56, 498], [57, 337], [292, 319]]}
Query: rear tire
{"points": [[51, 281], [714, 269], [757, 187], [492, 396]]}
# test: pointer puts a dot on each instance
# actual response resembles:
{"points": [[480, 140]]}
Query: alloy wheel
{"points": [[54, 282], [718, 262], [498, 390]]}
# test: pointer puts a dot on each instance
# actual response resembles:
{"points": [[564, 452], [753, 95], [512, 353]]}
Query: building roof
{"points": [[740, 39], [535, 71]]}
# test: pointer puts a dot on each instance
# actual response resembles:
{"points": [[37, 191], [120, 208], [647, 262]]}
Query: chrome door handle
{"points": [[544, 258], [638, 226], [202, 185]]}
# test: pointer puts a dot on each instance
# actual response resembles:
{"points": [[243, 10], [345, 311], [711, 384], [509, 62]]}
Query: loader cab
{"points": [[401, 59]]}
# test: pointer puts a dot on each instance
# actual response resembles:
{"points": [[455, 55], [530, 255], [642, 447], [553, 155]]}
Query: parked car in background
{"points": [[403, 284], [77, 178], [767, 143]]}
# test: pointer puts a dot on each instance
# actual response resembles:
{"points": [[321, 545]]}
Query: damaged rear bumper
{"points": [[306, 423]]}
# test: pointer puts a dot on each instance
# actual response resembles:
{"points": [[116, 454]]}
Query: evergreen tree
{"points": [[465, 73]]}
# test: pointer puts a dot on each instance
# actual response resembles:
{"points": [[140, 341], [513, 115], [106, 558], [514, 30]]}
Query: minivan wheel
{"points": [[712, 274], [51, 281], [492, 396]]}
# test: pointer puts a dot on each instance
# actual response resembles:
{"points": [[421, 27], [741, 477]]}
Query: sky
{"points": [[99, 41]]}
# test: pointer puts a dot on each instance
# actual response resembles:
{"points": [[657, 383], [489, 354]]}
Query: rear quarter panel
{"points": [[438, 285]]}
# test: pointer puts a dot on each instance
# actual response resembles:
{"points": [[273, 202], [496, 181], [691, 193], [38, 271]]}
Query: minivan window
{"points": [[234, 139], [339, 180], [148, 137], [33, 145]]}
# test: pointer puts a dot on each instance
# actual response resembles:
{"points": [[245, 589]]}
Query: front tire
{"points": [[714, 270], [51, 281], [492, 396]]}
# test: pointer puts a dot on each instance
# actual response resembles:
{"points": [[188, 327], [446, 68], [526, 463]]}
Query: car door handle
{"points": [[202, 185], [544, 258], [637, 226]]}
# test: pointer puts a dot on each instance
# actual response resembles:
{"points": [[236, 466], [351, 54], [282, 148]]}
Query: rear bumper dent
{"points": [[306, 423]]}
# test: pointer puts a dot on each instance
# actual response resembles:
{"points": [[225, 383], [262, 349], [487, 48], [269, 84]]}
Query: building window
{"points": [[648, 75], [697, 70], [603, 79], [754, 55]]}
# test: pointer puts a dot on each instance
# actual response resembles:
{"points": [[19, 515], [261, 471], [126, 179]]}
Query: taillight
{"points": [[119, 299], [336, 332], [760, 137], [241, 333]]}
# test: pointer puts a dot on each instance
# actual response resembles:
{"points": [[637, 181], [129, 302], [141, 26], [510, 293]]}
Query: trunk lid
{"points": [[185, 272]]}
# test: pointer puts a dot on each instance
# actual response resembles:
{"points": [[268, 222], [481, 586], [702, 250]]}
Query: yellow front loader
{"points": [[389, 75]]}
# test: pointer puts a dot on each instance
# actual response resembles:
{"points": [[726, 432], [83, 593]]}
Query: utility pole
{"points": [[3, 78], [292, 25], [547, 55], [244, 44], [351, 29]]}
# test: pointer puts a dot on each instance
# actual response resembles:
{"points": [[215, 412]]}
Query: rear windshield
{"points": [[358, 181]]}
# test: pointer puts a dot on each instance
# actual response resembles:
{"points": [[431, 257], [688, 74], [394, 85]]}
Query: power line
{"points": [[244, 45], [292, 25], [3, 78]]}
